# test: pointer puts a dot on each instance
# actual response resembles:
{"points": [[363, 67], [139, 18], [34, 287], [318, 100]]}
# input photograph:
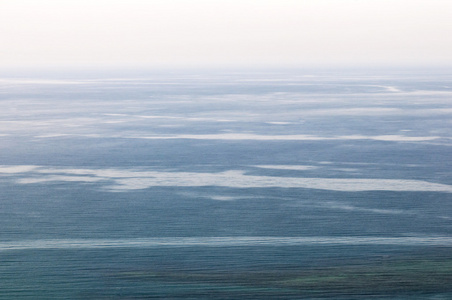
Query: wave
{"points": [[242, 241]]}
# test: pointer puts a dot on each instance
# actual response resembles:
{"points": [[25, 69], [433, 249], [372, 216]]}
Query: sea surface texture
{"points": [[226, 185]]}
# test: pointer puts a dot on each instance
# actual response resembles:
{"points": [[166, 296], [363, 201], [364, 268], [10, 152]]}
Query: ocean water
{"points": [[283, 184]]}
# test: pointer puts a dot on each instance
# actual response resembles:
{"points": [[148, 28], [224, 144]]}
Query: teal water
{"points": [[222, 185]]}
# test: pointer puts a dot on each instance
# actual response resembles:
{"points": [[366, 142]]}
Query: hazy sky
{"points": [[224, 32]]}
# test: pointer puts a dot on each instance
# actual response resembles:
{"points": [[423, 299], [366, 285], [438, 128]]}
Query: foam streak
{"points": [[242, 241]]}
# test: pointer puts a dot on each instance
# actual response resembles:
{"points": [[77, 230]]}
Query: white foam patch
{"points": [[133, 180], [38, 81], [349, 207], [116, 115], [57, 135], [392, 89], [279, 123], [224, 198], [236, 136], [158, 117], [356, 111], [257, 137], [105, 173], [56, 178], [287, 167], [16, 169], [425, 93], [351, 170], [390, 138], [52, 135], [215, 197], [242, 241], [401, 138], [113, 122], [130, 179]]}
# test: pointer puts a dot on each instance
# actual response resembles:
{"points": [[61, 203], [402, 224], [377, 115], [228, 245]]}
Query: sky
{"points": [[189, 33]]}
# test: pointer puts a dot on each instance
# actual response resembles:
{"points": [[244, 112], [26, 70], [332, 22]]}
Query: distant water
{"points": [[226, 185]]}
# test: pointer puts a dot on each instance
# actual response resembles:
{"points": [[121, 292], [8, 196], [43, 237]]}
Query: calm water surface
{"points": [[226, 185]]}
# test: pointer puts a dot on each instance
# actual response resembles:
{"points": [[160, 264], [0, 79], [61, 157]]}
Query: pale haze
{"points": [[225, 32]]}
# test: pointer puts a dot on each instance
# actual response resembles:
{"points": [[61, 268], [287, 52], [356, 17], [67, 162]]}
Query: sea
{"points": [[226, 184]]}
